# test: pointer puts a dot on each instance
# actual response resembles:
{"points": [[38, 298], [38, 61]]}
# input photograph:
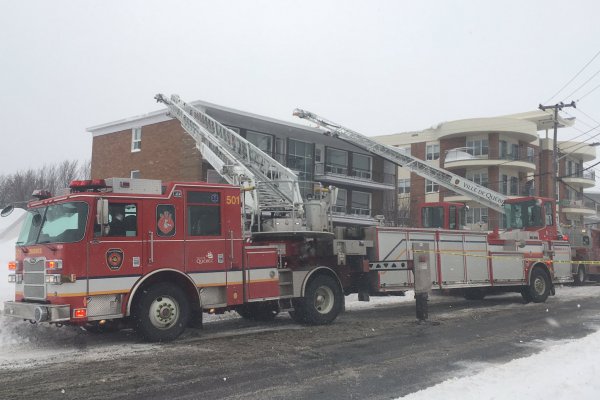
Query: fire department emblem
{"points": [[165, 223], [114, 259]]}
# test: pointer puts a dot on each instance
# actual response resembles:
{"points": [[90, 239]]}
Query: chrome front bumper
{"points": [[37, 312]]}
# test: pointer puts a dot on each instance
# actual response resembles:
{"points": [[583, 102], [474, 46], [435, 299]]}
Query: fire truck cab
{"points": [[156, 255]]}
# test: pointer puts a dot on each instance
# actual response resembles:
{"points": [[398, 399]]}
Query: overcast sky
{"points": [[379, 67]]}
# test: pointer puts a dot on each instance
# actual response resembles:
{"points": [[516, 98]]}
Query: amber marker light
{"points": [[12, 265]]}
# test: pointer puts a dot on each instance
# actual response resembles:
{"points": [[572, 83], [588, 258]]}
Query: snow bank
{"points": [[551, 374], [9, 231]]}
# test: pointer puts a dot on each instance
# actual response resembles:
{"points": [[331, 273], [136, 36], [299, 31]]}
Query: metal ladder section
{"points": [[456, 183], [274, 187]]}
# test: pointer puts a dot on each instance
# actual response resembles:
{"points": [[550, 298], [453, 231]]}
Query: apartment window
{"points": [[480, 178], [299, 158], [478, 147], [261, 140], [514, 186], [504, 184], [515, 152], [361, 166], [503, 149], [403, 186], [477, 215], [361, 203], [431, 187], [341, 202], [530, 154], [336, 161], [433, 151], [134, 174], [136, 139]]}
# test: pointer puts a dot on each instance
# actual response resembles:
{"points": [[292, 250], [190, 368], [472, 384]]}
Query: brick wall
{"points": [[167, 153]]}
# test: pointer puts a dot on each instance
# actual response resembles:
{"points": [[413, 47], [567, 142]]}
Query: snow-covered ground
{"points": [[558, 374]]}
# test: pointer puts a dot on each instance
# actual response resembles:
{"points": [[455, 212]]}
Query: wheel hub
{"points": [[164, 312], [324, 300], [539, 285]]}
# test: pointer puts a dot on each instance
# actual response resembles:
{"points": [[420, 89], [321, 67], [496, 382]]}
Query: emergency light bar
{"points": [[88, 184]]}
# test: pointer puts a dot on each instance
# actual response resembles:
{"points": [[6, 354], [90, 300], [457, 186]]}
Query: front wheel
{"points": [[161, 312], [539, 286], [322, 301]]}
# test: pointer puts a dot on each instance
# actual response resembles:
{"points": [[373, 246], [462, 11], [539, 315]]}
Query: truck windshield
{"points": [[524, 214], [56, 223]]}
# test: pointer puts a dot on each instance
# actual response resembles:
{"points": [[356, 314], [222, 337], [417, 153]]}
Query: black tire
{"points": [[161, 312], [581, 276], [474, 294], [539, 286], [322, 301], [263, 311]]}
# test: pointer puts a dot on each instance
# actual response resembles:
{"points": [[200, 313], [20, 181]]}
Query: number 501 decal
{"points": [[232, 200]]}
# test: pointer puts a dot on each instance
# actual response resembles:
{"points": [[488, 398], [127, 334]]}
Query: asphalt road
{"points": [[376, 353]]}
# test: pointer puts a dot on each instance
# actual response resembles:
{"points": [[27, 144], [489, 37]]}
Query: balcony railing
{"points": [[354, 173], [466, 153], [591, 175]]}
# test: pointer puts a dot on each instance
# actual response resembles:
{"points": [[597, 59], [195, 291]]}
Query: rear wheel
{"points": [[322, 302], [581, 276], [539, 286], [162, 312]]}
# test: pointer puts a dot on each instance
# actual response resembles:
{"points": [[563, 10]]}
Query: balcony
{"points": [[518, 129], [356, 216], [582, 179], [462, 158], [575, 208], [356, 177]]}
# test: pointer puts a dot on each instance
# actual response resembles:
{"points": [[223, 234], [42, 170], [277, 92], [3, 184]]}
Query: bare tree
{"points": [[18, 187]]}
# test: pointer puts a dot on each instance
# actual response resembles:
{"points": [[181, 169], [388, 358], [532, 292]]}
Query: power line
{"points": [[582, 85], [573, 78]]}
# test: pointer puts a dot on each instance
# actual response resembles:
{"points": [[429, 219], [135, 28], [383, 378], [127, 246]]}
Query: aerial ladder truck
{"points": [[154, 256], [527, 218]]}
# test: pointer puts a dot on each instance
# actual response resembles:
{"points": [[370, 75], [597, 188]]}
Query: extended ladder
{"points": [[456, 183], [273, 187]]}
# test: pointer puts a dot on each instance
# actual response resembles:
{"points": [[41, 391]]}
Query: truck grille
{"points": [[34, 286]]}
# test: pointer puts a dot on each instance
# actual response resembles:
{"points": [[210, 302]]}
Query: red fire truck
{"points": [[156, 256]]}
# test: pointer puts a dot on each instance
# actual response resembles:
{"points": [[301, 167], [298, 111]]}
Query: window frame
{"points": [[432, 152], [136, 139]]}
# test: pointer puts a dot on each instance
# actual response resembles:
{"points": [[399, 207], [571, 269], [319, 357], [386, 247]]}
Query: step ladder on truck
{"points": [[154, 255]]}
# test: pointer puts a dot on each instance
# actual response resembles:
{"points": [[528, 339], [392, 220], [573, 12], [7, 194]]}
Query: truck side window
{"points": [[204, 214], [122, 220]]}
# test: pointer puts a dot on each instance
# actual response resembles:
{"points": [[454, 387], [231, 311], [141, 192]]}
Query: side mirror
{"points": [[102, 212], [7, 210]]}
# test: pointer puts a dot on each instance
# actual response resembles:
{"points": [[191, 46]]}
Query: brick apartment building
{"points": [[155, 146], [503, 153]]}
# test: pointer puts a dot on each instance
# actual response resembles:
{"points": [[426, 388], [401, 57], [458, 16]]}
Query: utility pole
{"points": [[556, 108]]}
